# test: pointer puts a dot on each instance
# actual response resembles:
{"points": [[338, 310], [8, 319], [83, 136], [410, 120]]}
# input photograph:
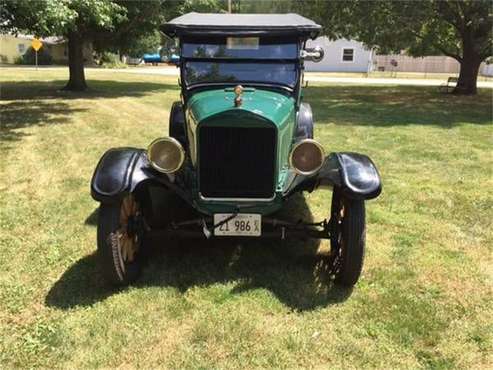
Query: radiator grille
{"points": [[237, 162]]}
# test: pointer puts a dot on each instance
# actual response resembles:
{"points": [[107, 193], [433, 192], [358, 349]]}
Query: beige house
{"points": [[12, 47]]}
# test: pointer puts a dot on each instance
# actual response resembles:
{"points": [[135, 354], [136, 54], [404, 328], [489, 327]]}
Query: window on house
{"points": [[347, 55], [21, 48]]}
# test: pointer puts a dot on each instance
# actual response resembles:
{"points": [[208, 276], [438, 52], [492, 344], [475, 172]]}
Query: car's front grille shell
{"points": [[237, 162]]}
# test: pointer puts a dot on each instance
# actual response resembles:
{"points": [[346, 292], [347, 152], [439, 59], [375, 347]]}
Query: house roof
{"points": [[241, 25], [52, 40]]}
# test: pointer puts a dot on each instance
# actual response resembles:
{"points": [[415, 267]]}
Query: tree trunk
{"points": [[469, 68], [77, 80]]}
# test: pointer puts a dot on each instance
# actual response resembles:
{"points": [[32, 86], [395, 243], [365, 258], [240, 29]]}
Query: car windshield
{"points": [[240, 59], [272, 73]]}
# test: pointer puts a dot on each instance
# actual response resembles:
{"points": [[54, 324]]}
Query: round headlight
{"points": [[307, 156], [166, 154]]}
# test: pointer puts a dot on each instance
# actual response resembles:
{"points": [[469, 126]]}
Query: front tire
{"points": [[348, 238], [119, 241]]}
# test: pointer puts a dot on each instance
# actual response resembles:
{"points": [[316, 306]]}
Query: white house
{"points": [[487, 69], [341, 56]]}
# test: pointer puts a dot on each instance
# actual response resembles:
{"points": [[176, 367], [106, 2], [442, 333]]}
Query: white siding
{"points": [[332, 61], [487, 69]]}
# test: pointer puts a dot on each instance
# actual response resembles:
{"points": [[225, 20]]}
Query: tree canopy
{"points": [[459, 29], [117, 24], [77, 20]]}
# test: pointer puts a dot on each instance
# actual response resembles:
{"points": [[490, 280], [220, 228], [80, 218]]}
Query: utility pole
{"points": [[229, 6]]}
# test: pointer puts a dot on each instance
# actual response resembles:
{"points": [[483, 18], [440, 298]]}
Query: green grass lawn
{"points": [[424, 300]]}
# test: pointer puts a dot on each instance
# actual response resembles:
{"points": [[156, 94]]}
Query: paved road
{"points": [[310, 77]]}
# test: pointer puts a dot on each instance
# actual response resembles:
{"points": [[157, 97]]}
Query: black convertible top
{"points": [[193, 24]]}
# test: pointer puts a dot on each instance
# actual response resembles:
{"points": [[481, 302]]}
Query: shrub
{"points": [[110, 60], [44, 57]]}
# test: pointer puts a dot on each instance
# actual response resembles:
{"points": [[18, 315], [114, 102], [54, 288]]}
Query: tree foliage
{"points": [[202, 6], [77, 20], [126, 27], [143, 44], [459, 29], [138, 32], [55, 17], [115, 25], [138, 29]]}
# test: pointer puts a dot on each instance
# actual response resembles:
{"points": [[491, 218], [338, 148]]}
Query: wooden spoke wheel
{"points": [[120, 228], [348, 238]]}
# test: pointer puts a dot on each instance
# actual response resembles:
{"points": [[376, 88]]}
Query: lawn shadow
{"points": [[29, 90], [295, 271], [387, 106], [17, 115], [92, 219], [43, 103]]}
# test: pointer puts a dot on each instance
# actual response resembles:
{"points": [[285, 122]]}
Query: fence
{"points": [[431, 64]]}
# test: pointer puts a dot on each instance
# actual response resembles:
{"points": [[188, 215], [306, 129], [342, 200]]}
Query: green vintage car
{"points": [[240, 144]]}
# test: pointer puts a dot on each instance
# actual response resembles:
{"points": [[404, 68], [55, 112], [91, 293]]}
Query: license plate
{"points": [[243, 224]]}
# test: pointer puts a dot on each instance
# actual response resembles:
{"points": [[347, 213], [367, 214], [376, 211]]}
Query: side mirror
{"points": [[315, 54]]}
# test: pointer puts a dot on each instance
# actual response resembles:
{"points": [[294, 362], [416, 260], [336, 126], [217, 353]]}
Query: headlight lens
{"points": [[166, 154], [307, 156]]}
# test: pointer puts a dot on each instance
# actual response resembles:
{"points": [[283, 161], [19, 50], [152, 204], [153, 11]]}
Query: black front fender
{"points": [[119, 171], [353, 173]]}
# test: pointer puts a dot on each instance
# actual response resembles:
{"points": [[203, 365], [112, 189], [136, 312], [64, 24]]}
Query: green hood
{"points": [[275, 107], [217, 107]]}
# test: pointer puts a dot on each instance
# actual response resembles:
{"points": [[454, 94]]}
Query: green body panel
{"points": [[259, 107]]}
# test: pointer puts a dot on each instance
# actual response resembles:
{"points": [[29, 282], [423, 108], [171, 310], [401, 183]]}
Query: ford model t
{"points": [[240, 144]]}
